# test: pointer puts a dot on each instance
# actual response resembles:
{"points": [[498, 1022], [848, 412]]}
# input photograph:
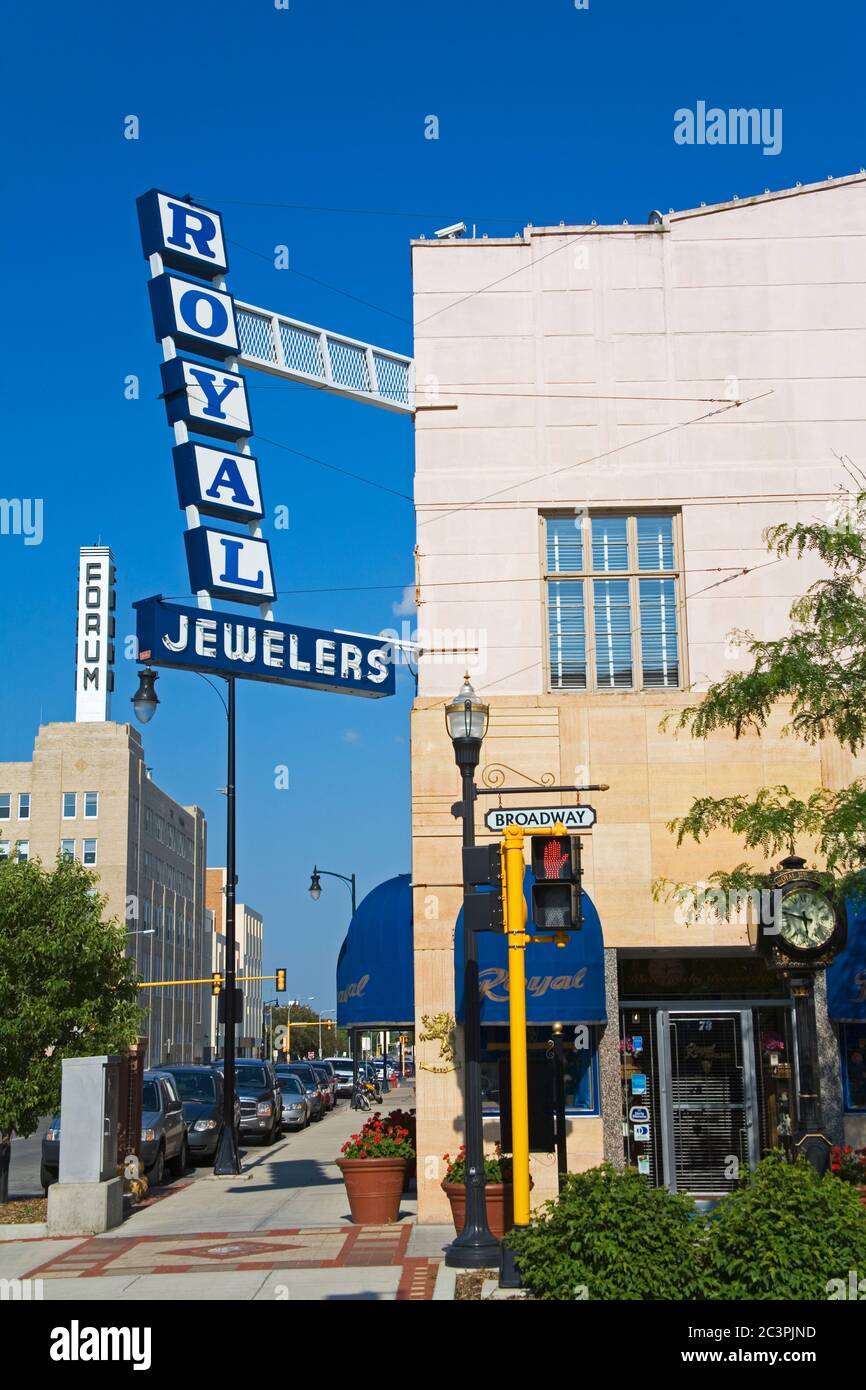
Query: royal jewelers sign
{"points": [[218, 482]]}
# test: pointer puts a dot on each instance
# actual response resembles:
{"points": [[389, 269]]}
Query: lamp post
{"points": [[315, 894], [144, 702], [316, 887], [475, 1247]]}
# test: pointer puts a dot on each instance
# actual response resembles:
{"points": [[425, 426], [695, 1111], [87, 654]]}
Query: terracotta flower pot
{"points": [[499, 1197], [374, 1187], [411, 1173]]}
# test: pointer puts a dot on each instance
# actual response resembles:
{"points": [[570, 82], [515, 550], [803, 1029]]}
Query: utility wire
{"points": [[596, 458], [262, 255]]}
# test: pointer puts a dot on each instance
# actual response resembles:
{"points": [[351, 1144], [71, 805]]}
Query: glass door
{"points": [[707, 1093]]}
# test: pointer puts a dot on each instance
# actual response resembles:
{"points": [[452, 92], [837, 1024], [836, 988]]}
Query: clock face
{"points": [[807, 919]]}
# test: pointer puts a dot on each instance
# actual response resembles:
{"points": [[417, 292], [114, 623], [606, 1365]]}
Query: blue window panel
{"points": [[566, 634], [658, 633], [655, 542], [612, 624], [564, 544], [610, 543]]}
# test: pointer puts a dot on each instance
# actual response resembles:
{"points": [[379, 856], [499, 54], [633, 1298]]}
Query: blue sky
{"points": [[545, 112]]}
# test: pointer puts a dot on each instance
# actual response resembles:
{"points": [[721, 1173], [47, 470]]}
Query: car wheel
{"points": [[178, 1165], [156, 1171]]}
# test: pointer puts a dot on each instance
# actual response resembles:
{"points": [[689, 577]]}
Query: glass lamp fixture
{"points": [[315, 885], [466, 716], [145, 699]]}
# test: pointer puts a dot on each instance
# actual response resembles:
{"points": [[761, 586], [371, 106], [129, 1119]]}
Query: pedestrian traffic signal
{"points": [[216, 982], [482, 869], [556, 867], [281, 980]]}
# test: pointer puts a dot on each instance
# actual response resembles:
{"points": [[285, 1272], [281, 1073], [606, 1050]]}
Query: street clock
{"points": [[806, 927]]}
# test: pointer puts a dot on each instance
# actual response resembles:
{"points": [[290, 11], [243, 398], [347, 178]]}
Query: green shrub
{"points": [[784, 1235], [613, 1235]]}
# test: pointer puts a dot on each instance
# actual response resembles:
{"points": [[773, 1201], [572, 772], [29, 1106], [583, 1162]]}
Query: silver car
{"points": [[296, 1106]]}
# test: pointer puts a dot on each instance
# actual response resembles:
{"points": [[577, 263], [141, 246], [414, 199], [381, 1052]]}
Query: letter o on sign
{"points": [[204, 313], [92, 596]]}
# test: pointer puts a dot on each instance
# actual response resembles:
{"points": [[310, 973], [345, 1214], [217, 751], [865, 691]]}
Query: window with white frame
{"points": [[91, 805], [69, 805], [612, 582], [67, 849], [89, 852], [23, 805], [5, 805], [4, 849], [22, 851]]}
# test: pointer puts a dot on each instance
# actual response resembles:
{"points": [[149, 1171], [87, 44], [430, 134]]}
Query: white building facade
{"points": [[608, 419]]}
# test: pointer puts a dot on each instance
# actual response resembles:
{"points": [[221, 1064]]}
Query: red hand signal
{"points": [[554, 859]]}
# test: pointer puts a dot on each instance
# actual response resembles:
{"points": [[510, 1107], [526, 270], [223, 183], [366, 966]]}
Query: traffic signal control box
{"points": [[482, 869]]}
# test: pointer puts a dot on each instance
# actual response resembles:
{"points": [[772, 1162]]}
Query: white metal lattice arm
{"points": [[301, 352]]}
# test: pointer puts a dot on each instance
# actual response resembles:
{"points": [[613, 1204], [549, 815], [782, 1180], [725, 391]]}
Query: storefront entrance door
{"points": [[707, 1089]]}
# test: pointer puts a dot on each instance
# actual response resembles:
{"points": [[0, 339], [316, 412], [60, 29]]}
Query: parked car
{"points": [[296, 1105], [201, 1093], [331, 1074], [261, 1102], [328, 1084], [343, 1071], [311, 1083], [49, 1166], [163, 1128]]}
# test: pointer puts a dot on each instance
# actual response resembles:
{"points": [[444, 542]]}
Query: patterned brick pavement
{"points": [[320, 1247]]}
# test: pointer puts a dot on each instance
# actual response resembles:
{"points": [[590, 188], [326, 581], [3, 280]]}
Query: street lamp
{"points": [[315, 889], [227, 1162], [466, 719], [315, 894], [145, 699]]}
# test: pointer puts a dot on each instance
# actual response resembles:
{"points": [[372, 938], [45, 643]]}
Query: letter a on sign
{"points": [[218, 482]]}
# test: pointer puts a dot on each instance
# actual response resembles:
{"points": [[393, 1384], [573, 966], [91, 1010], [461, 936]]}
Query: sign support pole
{"points": [[228, 1162]]}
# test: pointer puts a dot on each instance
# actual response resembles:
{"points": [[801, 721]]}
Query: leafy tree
{"points": [[304, 1040], [66, 989], [819, 670]]}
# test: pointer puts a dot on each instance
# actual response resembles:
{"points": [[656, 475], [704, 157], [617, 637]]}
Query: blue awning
{"points": [[563, 985], [846, 975], [375, 967]]}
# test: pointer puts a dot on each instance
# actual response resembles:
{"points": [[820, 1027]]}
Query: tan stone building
{"points": [[608, 418], [87, 793], [249, 949]]}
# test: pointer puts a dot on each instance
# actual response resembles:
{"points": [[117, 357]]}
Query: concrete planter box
{"points": [[374, 1187]]}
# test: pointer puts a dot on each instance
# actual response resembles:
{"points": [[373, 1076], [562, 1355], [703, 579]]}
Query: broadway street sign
{"points": [[259, 649], [541, 817]]}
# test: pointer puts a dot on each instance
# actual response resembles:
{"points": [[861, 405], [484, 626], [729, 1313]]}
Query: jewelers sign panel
{"points": [[194, 639]]}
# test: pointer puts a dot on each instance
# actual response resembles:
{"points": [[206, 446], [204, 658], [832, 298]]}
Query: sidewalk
{"points": [[281, 1230]]}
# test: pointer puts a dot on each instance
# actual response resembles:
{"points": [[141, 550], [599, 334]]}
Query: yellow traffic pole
{"points": [[515, 926]]}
